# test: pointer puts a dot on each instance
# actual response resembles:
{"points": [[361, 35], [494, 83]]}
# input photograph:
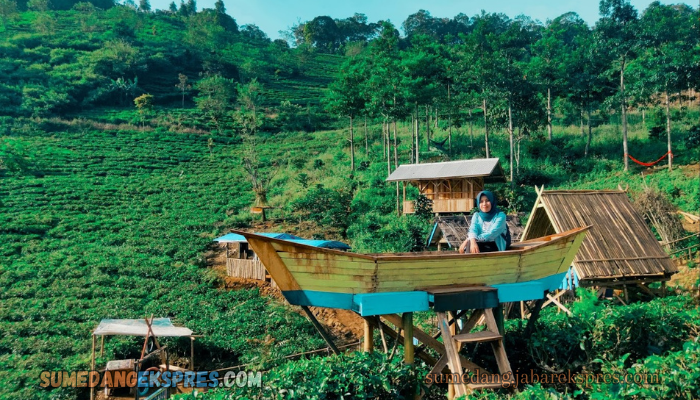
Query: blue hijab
{"points": [[494, 208]]}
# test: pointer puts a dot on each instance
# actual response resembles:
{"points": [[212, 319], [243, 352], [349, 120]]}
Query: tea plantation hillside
{"points": [[60, 61], [130, 139], [102, 223]]}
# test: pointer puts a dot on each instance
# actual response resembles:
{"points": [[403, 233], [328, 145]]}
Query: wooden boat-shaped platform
{"points": [[308, 275]]}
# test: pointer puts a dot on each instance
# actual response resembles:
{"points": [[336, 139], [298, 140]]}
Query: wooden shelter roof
{"points": [[620, 246], [488, 168]]}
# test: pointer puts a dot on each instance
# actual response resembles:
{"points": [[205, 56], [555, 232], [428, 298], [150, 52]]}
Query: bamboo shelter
{"points": [[451, 186], [619, 250]]}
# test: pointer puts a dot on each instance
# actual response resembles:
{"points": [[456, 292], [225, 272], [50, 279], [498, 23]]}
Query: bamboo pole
{"points": [[368, 345], [381, 334], [192, 353], [407, 320]]}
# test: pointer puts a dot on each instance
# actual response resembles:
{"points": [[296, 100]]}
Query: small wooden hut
{"points": [[619, 250], [451, 186]]}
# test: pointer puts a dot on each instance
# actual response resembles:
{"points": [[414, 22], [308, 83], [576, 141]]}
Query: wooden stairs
{"points": [[458, 365]]}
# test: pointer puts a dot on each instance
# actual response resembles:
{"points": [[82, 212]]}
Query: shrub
{"points": [[532, 177], [354, 375]]}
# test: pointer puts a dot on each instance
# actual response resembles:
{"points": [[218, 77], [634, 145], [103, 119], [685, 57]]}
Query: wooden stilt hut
{"points": [[619, 250], [451, 186]]}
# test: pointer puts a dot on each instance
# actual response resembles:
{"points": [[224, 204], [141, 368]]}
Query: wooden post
{"points": [[102, 346], [381, 334], [320, 330], [453, 331], [498, 313], [407, 321], [92, 365], [369, 336], [534, 315], [191, 353]]}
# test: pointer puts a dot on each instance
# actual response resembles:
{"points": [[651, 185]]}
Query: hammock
{"points": [[651, 163]]}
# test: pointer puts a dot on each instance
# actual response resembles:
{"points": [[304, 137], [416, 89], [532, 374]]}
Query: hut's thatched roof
{"points": [[619, 246]]}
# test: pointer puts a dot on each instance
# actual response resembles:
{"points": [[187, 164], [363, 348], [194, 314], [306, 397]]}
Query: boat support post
{"points": [[320, 330], [368, 345], [407, 319]]}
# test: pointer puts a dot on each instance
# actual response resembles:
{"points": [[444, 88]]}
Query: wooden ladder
{"points": [[453, 344]]}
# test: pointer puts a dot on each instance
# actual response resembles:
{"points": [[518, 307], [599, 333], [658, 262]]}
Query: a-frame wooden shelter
{"points": [[619, 250]]}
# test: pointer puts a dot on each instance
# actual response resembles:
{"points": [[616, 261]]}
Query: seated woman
{"points": [[488, 230]]}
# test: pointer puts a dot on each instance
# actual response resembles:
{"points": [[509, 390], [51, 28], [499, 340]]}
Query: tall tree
{"points": [[144, 105], [345, 96], [478, 64], [422, 67], [216, 94], [513, 45], [618, 28], [664, 67], [547, 66], [384, 86], [183, 85], [587, 86]]}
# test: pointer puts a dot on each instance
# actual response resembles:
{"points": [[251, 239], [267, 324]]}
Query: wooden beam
{"points": [[453, 358], [320, 330], [555, 297], [274, 264], [646, 290], [498, 314], [432, 342], [381, 334], [561, 306], [398, 337], [534, 315]]}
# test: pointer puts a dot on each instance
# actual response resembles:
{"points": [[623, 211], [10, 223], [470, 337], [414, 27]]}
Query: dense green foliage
{"points": [[598, 339]]}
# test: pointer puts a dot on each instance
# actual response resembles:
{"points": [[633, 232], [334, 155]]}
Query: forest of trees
{"points": [[516, 72], [500, 72]]}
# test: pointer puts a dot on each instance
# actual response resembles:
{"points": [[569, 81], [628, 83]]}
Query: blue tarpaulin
{"points": [[234, 237], [326, 244]]}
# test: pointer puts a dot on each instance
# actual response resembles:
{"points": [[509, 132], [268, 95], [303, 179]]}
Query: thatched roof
{"points": [[488, 168], [619, 246]]}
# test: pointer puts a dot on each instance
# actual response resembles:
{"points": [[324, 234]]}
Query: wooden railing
{"points": [[248, 269], [443, 206]]}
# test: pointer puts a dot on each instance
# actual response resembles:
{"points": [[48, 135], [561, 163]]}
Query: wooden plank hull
{"points": [[299, 267]]}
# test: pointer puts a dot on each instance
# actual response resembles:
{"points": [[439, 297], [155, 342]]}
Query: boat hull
{"points": [[321, 277]]}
